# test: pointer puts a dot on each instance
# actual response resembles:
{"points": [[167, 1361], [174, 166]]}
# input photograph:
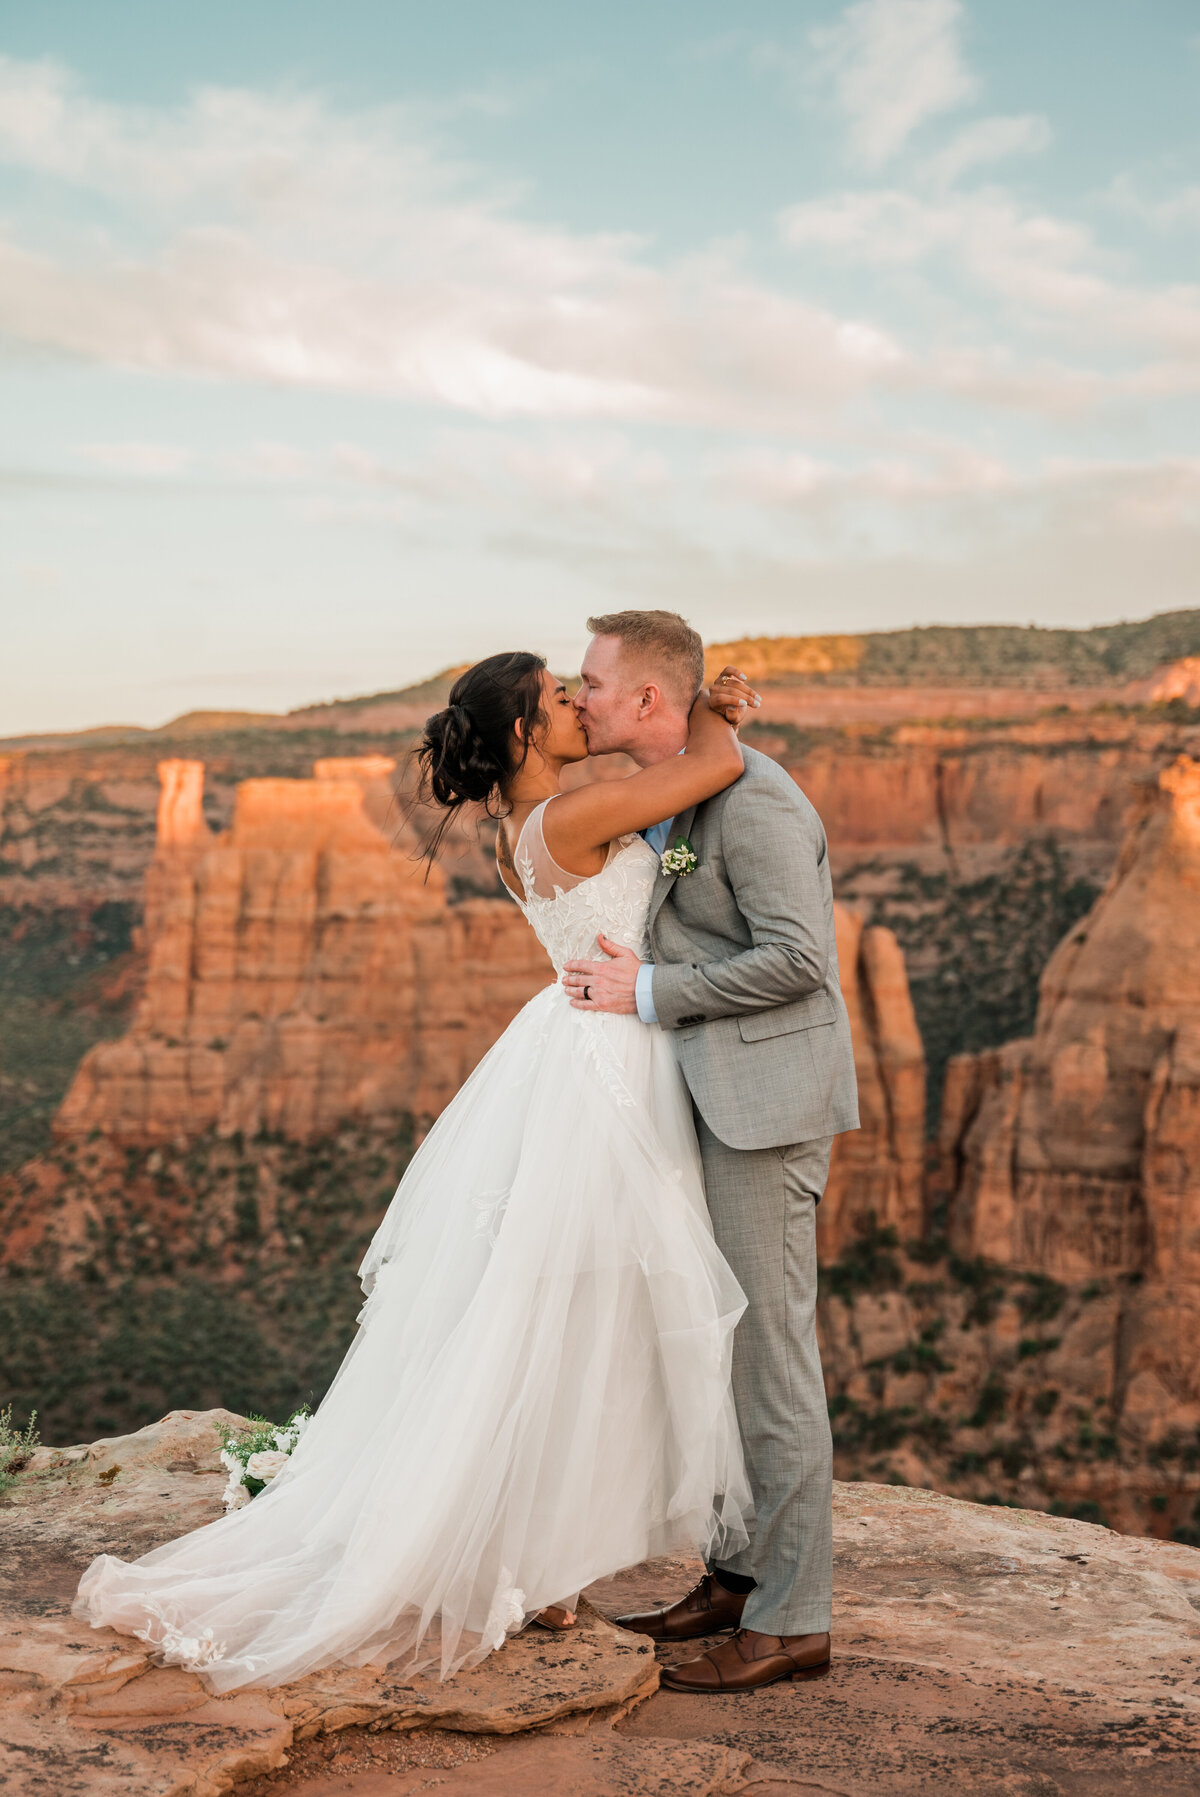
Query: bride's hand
{"points": [[731, 696]]}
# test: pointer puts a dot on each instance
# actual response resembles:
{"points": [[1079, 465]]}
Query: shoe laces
{"points": [[700, 1595]]}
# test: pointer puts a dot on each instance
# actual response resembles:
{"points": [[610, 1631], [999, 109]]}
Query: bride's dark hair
{"points": [[468, 752]]}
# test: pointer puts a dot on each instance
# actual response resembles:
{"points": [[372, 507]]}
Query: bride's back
{"points": [[569, 911]]}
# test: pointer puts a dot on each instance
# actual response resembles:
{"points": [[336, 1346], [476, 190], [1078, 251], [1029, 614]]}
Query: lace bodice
{"points": [[568, 911]]}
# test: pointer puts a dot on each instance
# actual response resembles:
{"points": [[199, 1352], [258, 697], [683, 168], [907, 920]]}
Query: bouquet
{"points": [[254, 1456]]}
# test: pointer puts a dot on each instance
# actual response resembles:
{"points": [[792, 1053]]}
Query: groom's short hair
{"points": [[663, 644]]}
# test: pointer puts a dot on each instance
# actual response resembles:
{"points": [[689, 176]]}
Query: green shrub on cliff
{"points": [[16, 1445], [976, 948]]}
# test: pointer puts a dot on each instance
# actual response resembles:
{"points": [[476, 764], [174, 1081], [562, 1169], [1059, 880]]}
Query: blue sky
{"points": [[337, 344]]}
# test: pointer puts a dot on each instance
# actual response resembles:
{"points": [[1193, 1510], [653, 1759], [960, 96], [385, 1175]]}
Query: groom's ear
{"points": [[648, 702]]}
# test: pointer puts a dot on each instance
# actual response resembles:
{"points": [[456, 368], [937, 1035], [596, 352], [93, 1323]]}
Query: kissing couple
{"points": [[589, 1335]]}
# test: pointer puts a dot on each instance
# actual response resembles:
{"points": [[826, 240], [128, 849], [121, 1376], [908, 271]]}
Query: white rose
{"points": [[265, 1464], [299, 1424], [284, 1440], [235, 1495]]}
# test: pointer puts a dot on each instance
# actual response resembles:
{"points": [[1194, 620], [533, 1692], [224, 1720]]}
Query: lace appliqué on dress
{"points": [[568, 918], [507, 1612], [194, 1653], [489, 1208], [600, 1054]]}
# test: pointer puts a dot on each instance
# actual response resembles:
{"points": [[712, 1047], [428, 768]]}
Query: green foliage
{"points": [[983, 1281], [858, 1428], [928, 1250], [241, 1445], [255, 1326], [869, 1264], [1014, 1457], [1085, 1510], [976, 949], [53, 1007], [922, 1356], [1183, 1449], [16, 1445], [1189, 1532], [1042, 1298], [991, 1404], [1006, 654], [1178, 711]]}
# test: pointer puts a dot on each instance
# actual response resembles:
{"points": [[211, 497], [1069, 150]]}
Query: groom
{"points": [[744, 978]]}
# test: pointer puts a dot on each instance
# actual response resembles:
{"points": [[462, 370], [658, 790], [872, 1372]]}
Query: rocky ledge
{"points": [[1002, 1650]]}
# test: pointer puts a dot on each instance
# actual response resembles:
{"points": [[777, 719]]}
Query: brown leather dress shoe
{"points": [[708, 1609], [749, 1661]]}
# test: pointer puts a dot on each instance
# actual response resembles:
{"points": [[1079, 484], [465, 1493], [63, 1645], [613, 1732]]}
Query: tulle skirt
{"points": [[538, 1393]]}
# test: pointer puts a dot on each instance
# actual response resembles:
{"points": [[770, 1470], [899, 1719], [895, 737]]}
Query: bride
{"points": [[538, 1393]]}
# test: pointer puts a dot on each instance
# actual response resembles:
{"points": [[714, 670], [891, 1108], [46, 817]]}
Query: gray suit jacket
{"points": [[746, 972]]}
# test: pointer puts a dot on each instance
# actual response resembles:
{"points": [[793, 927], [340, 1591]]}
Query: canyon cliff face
{"points": [[1076, 1154], [957, 797], [77, 824], [876, 1173], [301, 971]]}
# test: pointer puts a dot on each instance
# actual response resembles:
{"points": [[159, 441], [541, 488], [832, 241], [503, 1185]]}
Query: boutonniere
{"points": [[681, 859]]}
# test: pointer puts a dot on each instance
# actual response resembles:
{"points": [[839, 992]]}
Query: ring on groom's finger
{"points": [[587, 992]]}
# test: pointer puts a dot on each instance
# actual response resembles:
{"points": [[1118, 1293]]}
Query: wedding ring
{"points": [[587, 992]]}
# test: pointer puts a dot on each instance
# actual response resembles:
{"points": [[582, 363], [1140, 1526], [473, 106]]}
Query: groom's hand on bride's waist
{"points": [[607, 985]]}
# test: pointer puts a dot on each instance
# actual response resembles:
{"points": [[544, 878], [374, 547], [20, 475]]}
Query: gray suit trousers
{"points": [[763, 1206]]}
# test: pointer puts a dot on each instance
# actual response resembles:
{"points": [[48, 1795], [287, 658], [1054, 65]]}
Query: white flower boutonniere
{"points": [[681, 859]]}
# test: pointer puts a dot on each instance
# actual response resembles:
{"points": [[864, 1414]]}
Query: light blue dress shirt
{"points": [[643, 993]]}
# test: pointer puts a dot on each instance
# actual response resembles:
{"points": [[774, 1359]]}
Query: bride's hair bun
{"points": [[467, 752], [461, 767]]}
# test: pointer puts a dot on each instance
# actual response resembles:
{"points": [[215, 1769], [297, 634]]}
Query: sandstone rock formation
{"points": [[878, 1170], [301, 971], [948, 797], [994, 1650], [180, 823], [77, 825], [1178, 680], [1077, 1153]]}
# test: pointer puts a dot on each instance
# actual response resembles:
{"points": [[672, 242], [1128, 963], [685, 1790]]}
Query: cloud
{"points": [[274, 239], [583, 472], [153, 461], [771, 477], [989, 140], [893, 64], [273, 461], [1164, 212], [271, 238], [1072, 543], [1049, 270], [700, 344], [1156, 493]]}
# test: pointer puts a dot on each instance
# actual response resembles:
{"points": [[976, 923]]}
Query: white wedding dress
{"points": [[539, 1390]]}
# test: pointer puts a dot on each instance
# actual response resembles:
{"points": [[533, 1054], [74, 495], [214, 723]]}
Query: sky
{"points": [[340, 344]]}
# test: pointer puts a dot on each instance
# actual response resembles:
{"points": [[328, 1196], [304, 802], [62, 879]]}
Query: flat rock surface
{"points": [[86, 1710], [1000, 1651]]}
